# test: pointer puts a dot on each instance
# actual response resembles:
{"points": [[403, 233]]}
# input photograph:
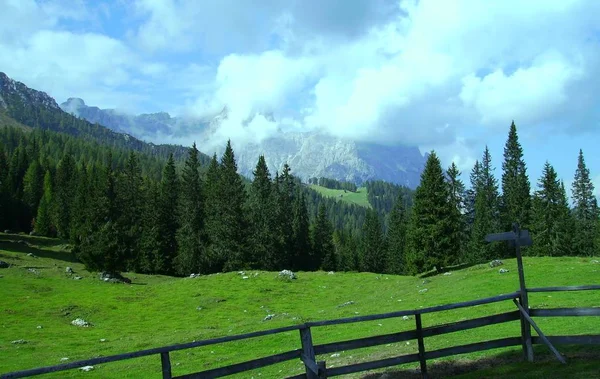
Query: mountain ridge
{"points": [[310, 154]]}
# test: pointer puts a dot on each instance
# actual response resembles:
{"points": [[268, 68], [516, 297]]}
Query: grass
{"points": [[157, 310], [359, 197]]}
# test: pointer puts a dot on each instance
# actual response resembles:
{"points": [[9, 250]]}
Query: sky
{"points": [[447, 75]]}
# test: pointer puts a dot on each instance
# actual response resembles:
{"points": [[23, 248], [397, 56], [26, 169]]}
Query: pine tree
{"points": [[262, 215], [64, 194], [301, 235], [486, 214], [212, 213], [190, 235], [516, 197], [585, 210], [130, 197], [4, 191], [226, 217], [396, 237], [457, 225], [322, 242], [286, 190], [167, 218], [430, 225], [551, 220], [80, 212], [33, 186], [471, 195], [373, 245], [43, 220], [150, 257]]}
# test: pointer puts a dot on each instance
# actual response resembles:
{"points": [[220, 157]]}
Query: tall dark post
{"points": [[524, 299]]}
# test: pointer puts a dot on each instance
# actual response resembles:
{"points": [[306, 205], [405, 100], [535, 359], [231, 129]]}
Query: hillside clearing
{"points": [[359, 197], [157, 310]]}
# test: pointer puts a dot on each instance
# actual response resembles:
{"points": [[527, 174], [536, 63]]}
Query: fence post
{"points": [[523, 298], [166, 365], [322, 370], [422, 360], [308, 354]]}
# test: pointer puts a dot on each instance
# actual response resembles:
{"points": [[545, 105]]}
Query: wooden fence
{"points": [[308, 351]]}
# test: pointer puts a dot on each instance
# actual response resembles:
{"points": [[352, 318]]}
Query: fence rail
{"points": [[308, 351]]}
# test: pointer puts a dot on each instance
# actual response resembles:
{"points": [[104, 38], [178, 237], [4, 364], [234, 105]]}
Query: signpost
{"points": [[519, 238]]}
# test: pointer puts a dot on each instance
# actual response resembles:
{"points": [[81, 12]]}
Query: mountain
{"points": [[310, 154], [37, 109]]}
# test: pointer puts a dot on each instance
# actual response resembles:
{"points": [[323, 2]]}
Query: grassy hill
{"points": [[39, 300], [359, 197]]}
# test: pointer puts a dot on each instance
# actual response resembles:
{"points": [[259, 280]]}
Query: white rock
{"points": [[80, 322], [268, 317], [503, 271], [405, 318], [39, 327], [244, 277], [87, 368], [330, 273], [335, 355], [448, 273], [102, 339], [423, 290], [64, 359], [287, 274]]}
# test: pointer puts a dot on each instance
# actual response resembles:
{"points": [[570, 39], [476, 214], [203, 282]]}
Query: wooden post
{"points": [[523, 298], [422, 360], [308, 354], [166, 365], [322, 370]]}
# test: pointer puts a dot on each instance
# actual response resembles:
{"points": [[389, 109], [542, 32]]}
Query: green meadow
{"points": [[359, 197], [39, 300]]}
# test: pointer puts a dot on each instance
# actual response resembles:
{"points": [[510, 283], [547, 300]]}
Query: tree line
{"points": [[125, 210], [333, 184]]}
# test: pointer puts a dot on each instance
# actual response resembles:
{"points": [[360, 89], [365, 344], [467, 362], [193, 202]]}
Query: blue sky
{"points": [[446, 75]]}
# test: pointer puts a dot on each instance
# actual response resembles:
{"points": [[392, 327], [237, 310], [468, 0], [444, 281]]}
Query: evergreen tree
{"points": [[64, 194], [430, 225], [80, 203], [585, 210], [373, 245], [150, 257], [396, 237], [99, 248], [167, 218], [227, 226], [212, 212], [286, 190], [516, 197], [470, 196], [43, 220], [4, 190], [301, 235], [262, 215], [130, 197], [190, 236], [33, 186], [486, 213], [551, 221], [457, 225], [323, 251]]}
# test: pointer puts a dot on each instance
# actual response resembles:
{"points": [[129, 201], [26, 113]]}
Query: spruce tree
{"points": [[373, 244], [551, 221], [4, 191], [585, 210], [190, 235], [263, 223], [471, 195], [486, 219], [286, 191], [396, 237], [130, 198], [212, 213], [226, 217], [457, 225], [64, 195], [167, 218], [430, 225], [516, 197], [301, 235], [323, 251], [150, 257], [43, 220], [33, 186], [80, 204]]}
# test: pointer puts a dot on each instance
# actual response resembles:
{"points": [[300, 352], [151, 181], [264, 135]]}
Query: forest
{"points": [[126, 210]]}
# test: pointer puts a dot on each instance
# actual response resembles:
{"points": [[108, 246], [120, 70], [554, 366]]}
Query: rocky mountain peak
{"points": [[10, 87]]}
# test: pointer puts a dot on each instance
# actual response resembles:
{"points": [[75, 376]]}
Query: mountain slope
{"points": [[36, 109], [310, 154]]}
